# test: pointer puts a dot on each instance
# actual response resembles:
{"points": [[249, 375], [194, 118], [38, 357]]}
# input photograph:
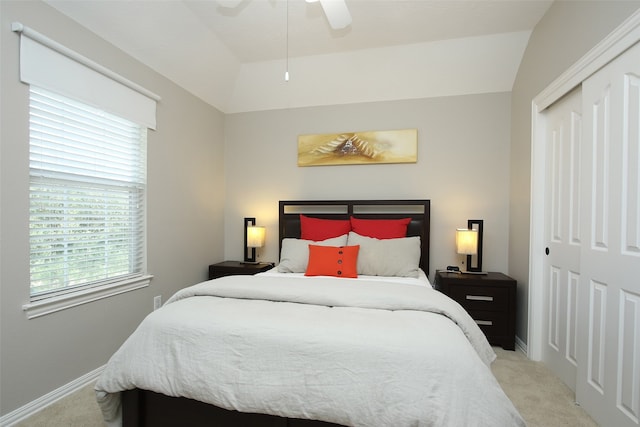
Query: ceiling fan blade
{"points": [[229, 3], [337, 13]]}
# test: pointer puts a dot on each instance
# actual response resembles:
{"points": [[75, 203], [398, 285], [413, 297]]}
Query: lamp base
{"points": [[250, 262]]}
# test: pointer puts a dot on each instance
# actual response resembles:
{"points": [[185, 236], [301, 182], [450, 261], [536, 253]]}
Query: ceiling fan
{"points": [[336, 11]]}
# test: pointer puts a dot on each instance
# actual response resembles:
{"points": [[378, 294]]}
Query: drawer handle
{"points": [[485, 322], [479, 298]]}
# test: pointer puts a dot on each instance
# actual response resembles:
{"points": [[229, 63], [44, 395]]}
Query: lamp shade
{"points": [[466, 241], [255, 236]]}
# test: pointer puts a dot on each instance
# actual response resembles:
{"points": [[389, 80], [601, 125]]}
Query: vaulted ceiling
{"points": [[234, 58]]}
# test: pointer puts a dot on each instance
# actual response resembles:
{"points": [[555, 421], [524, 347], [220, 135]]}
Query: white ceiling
{"points": [[219, 53]]}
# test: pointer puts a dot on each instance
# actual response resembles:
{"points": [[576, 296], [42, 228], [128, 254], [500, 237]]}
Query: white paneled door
{"points": [[608, 352], [562, 236]]}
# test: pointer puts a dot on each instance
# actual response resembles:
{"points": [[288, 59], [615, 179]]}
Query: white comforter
{"points": [[357, 353]]}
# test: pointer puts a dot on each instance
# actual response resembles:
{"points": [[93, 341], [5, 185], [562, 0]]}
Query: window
{"points": [[87, 180], [87, 196]]}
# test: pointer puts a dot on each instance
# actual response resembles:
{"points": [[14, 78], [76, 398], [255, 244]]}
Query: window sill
{"points": [[51, 305]]}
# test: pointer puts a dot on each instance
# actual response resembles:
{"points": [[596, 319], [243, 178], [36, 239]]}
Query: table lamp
{"points": [[254, 237], [469, 243]]}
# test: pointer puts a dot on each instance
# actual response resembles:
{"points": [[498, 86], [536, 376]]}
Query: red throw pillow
{"points": [[317, 229], [338, 261], [380, 228]]}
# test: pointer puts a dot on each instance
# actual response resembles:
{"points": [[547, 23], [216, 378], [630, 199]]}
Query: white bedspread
{"points": [[357, 353]]}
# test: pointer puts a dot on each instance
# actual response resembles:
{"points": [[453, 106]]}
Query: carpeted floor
{"points": [[542, 399]]}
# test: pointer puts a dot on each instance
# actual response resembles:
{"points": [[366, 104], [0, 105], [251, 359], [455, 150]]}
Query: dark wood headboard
{"points": [[418, 210]]}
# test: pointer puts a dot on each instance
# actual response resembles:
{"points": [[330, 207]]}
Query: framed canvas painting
{"points": [[357, 148]]}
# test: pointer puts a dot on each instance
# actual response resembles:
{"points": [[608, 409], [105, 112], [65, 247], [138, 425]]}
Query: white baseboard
{"points": [[521, 345], [33, 407]]}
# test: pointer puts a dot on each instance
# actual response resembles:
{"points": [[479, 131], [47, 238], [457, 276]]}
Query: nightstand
{"points": [[229, 268], [490, 299]]}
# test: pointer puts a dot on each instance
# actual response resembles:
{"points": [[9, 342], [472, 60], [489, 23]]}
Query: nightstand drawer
{"points": [[480, 297], [492, 323]]}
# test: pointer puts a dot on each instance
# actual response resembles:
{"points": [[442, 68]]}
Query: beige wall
{"points": [[463, 167], [566, 32], [185, 217]]}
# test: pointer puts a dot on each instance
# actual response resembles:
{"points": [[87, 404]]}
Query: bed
{"points": [[309, 344]]}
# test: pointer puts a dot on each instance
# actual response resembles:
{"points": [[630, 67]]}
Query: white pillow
{"points": [[387, 257], [295, 252]]}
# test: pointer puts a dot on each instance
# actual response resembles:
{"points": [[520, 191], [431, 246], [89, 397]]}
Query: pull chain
{"points": [[286, 72]]}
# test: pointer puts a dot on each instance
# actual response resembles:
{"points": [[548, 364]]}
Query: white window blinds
{"points": [[87, 195], [87, 159]]}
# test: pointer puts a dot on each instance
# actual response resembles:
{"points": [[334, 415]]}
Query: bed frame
{"points": [[146, 408]]}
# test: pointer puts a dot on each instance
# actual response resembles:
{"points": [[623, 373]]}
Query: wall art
{"points": [[358, 148]]}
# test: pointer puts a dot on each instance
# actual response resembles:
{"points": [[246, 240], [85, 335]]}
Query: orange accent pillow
{"points": [[380, 228], [317, 229], [338, 261]]}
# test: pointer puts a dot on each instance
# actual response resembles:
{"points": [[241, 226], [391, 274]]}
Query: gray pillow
{"points": [[295, 252], [387, 257]]}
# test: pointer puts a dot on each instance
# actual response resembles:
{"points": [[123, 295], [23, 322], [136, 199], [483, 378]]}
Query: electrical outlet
{"points": [[157, 302]]}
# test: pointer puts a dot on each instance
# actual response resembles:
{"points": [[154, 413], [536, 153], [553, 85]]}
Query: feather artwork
{"points": [[398, 146], [345, 145]]}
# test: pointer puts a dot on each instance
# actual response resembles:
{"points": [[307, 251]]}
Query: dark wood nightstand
{"points": [[489, 298], [228, 268]]}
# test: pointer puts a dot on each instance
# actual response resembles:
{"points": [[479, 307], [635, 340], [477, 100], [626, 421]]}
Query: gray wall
{"points": [[567, 31], [185, 217], [463, 167]]}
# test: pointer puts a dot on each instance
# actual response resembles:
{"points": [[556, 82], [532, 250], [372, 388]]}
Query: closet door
{"points": [[562, 236], [608, 381]]}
